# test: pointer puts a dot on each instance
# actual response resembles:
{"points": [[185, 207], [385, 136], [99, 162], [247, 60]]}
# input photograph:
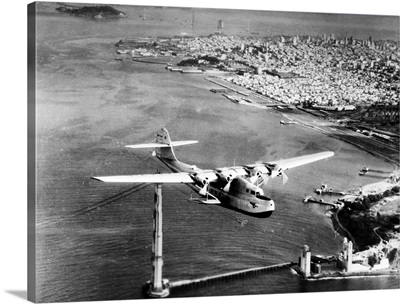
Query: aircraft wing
{"points": [[162, 178], [288, 163]]}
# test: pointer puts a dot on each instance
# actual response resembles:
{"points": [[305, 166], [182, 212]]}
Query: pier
{"points": [[230, 275], [325, 190], [310, 199]]}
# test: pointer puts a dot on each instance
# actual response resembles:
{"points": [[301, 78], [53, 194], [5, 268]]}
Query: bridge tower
{"points": [[348, 254], [305, 261], [158, 287]]}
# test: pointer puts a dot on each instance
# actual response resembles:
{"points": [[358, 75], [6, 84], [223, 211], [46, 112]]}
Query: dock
{"points": [[310, 199], [231, 98], [282, 122], [366, 170], [325, 190], [230, 275]]}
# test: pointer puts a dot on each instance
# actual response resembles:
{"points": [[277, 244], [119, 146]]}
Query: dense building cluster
{"points": [[322, 71]]}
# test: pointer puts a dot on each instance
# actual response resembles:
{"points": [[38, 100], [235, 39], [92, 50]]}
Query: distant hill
{"points": [[96, 12]]}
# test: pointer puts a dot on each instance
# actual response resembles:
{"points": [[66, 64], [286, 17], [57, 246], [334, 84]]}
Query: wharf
{"points": [[230, 275], [325, 190], [310, 199], [227, 87], [231, 98]]}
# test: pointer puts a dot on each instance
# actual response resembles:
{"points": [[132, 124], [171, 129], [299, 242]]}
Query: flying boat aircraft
{"points": [[238, 187]]}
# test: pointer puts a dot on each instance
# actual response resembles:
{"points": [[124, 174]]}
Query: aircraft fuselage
{"points": [[241, 195], [249, 202]]}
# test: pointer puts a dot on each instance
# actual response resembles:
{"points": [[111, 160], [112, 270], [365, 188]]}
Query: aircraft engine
{"points": [[203, 178], [255, 176], [277, 171], [202, 182], [205, 182], [227, 174], [258, 173], [228, 177]]}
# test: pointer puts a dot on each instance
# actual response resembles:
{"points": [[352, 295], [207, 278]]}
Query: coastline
{"points": [[373, 146], [350, 137], [331, 129], [345, 275]]}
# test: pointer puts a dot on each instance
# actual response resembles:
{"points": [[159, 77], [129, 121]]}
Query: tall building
{"points": [[371, 39], [220, 25]]}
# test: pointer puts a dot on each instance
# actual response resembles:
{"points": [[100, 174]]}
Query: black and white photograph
{"points": [[190, 151]]}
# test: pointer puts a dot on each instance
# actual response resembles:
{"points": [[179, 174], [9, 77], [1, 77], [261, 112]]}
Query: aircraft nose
{"points": [[272, 204]]}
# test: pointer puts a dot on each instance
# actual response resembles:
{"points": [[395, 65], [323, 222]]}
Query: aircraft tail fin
{"points": [[164, 145], [166, 152]]}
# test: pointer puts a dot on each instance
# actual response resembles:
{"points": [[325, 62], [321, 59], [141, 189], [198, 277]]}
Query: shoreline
{"points": [[341, 137], [372, 148], [346, 275]]}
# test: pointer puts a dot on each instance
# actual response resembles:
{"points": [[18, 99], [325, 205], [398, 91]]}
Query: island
{"points": [[95, 12]]}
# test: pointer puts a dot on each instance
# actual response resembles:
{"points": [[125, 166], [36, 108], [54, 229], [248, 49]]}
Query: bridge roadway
{"points": [[229, 275]]}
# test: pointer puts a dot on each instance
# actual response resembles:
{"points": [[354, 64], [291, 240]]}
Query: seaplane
{"points": [[237, 187]]}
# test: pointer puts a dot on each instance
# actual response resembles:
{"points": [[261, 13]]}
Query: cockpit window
{"points": [[252, 192]]}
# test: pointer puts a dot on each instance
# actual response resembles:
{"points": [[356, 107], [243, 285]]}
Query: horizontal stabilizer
{"points": [[183, 142], [148, 178], [162, 145], [150, 145]]}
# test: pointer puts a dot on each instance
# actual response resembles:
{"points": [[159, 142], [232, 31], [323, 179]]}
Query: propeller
{"points": [[227, 176], [256, 176], [262, 173], [277, 171], [227, 186], [285, 178]]}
